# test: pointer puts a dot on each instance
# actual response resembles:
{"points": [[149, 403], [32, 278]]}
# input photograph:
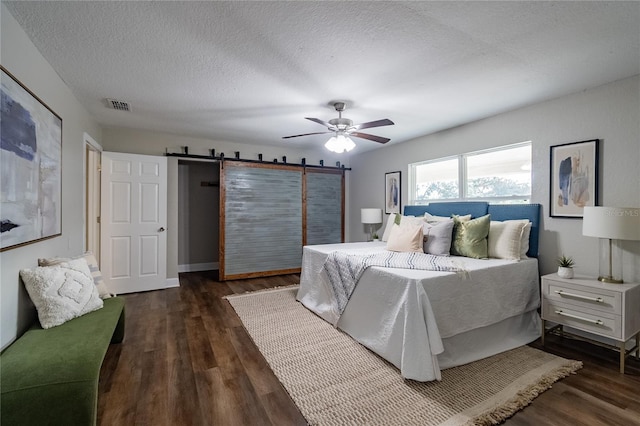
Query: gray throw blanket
{"points": [[344, 270]]}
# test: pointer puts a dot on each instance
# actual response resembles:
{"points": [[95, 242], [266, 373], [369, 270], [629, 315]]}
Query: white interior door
{"points": [[133, 222]]}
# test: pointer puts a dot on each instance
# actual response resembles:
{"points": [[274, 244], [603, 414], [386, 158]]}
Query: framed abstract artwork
{"points": [[30, 160], [574, 178], [392, 192]]}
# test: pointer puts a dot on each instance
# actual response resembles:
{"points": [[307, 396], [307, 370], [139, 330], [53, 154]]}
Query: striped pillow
{"points": [[98, 280]]}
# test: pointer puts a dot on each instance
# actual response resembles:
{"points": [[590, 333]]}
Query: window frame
{"points": [[462, 178]]}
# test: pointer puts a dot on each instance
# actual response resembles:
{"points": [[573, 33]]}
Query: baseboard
{"points": [[147, 286], [196, 267], [173, 282]]}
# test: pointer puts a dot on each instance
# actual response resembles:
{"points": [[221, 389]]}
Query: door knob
{"points": [[161, 229]]}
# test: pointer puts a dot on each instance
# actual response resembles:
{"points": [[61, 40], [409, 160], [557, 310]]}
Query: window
{"points": [[499, 175], [436, 180]]}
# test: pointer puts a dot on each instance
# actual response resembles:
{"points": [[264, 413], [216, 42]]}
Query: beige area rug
{"points": [[336, 381]]}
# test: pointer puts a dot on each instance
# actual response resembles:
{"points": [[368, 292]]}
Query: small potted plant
{"points": [[375, 237], [565, 267]]}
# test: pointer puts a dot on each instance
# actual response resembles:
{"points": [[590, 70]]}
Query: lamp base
{"points": [[610, 264], [610, 280]]}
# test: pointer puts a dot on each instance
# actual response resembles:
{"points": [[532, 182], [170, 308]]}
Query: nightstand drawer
{"points": [[601, 323], [586, 297]]}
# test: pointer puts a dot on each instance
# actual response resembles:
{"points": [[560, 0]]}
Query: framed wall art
{"points": [[574, 178], [392, 192], [30, 160]]}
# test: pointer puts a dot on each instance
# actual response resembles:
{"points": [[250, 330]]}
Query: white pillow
{"points": [[429, 218], [412, 220], [524, 241], [98, 280], [505, 239], [406, 237], [437, 237], [61, 293], [403, 219], [387, 230]]}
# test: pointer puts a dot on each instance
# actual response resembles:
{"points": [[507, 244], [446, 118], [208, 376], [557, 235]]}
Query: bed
{"points": [[425, 321]]}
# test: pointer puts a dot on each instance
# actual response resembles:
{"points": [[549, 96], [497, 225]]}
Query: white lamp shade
{"points": [[371, 215], [617, 223]]}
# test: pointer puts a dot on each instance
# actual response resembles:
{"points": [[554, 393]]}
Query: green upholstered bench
{"points": [[50, 377]]}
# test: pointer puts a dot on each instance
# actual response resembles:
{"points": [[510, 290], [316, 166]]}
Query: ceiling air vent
{"points": [[119, 105]]}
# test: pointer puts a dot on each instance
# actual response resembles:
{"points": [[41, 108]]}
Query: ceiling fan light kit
{"points": [[343, 129], [340, 143]]}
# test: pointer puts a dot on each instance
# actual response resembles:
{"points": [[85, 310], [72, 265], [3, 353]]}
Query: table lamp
{"points": [[609, 224], [370, 217]]}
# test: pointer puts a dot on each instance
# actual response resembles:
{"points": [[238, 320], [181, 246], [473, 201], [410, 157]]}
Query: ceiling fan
{"points": [[343, 128]]}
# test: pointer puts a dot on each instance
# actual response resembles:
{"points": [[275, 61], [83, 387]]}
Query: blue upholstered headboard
{"points": [[479, 208]]}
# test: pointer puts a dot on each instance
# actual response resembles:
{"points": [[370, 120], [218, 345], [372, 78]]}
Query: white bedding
{"points": [[422, 321]]}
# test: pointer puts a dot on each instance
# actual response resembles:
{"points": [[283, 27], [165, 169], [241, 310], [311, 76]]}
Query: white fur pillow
{"points": [[505, 239], [406, 237], [61, 293], [98, 280]]}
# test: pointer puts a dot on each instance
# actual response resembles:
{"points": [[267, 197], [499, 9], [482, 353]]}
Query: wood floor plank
{"points": [[187, 360], [280, 409], [183, 394], [254, 363], [600, 409], [120, 403], [215, 403], [153, 408], [200, 348]]}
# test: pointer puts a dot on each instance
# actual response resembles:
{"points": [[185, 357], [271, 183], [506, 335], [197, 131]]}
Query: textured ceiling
{"points": [[250, 71]]}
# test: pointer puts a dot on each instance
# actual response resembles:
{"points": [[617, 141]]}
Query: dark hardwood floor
{"points": [[187, 360]]}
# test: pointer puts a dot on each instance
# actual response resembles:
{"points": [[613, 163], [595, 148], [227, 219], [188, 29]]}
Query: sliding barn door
{"points": [[324, 206], [261, 219]]}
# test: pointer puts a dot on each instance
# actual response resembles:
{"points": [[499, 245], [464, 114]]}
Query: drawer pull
{"points": [[579, 296], [564, 314]]}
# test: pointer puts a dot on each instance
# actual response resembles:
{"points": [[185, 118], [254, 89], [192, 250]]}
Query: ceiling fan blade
{"points": [[305, 134], [374, 138], [377, 123], [317, 120]]}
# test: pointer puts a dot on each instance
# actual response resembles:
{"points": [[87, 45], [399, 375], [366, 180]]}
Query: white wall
{"points": [[610, 113], [155, 143], [21, 58]]}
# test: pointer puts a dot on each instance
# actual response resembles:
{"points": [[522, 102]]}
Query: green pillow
{"points": [[470, 237]]}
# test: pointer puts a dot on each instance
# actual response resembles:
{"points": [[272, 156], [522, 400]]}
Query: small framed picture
{"points": [[574, 178], [392, 192]]}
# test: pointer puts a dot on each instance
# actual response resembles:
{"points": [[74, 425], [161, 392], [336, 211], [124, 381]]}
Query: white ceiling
{"points": [[250, 71]]}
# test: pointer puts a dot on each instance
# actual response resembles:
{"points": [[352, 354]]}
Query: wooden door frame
{"points": [[91, 194]]}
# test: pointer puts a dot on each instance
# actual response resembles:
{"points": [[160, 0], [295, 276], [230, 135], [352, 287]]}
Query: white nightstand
{"points": [[586, 304]]}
